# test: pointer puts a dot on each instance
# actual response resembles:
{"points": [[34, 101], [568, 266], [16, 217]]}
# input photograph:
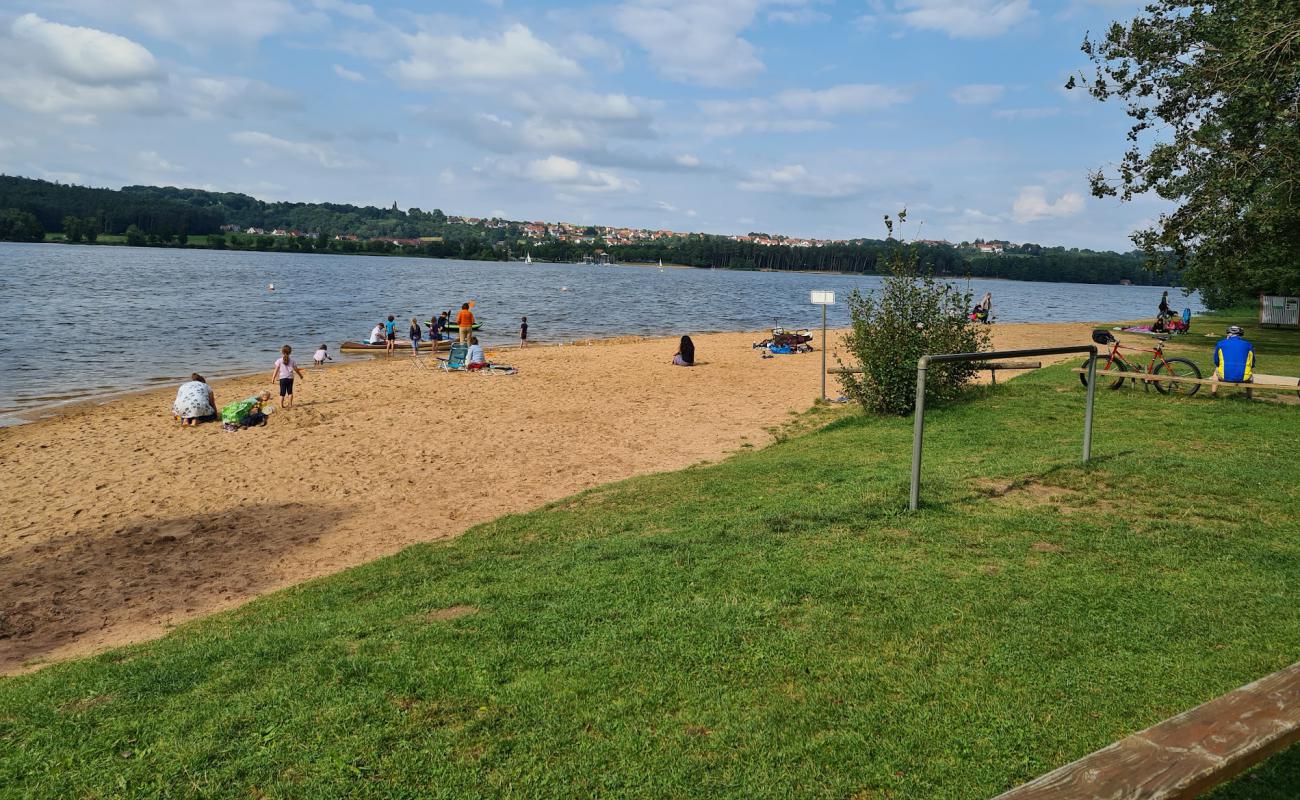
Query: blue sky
{"points": [[803, 117]]}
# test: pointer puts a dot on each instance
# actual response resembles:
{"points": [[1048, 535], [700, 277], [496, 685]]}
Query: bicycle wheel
{"points": [[1117, 364], [1177, 368]]}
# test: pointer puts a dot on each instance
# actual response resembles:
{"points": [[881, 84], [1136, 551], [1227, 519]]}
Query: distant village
{"points": [[541, 232]]}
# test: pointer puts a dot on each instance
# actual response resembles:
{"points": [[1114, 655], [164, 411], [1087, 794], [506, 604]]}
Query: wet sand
{"points": [[118, 524]]}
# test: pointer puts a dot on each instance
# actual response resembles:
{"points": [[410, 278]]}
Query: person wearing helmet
{"points": [[1234, 360]]}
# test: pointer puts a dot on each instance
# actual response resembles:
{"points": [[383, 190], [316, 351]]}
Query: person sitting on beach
{"points": [[377, 334], [1234, 360], [195, 401], [685, 355], [415, 333], [474, 357], [322, 355]]}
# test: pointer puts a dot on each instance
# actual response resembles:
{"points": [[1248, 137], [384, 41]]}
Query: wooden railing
{"points": [[1185, 755]]}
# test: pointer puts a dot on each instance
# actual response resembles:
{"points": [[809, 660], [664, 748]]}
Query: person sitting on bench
{"points": [[1234, 360]]}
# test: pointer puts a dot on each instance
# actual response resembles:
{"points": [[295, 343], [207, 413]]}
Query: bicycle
{"points": [[1159, 365]]}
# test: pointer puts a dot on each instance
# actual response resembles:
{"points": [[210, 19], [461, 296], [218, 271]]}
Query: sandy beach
{"points": [[118, 524]]}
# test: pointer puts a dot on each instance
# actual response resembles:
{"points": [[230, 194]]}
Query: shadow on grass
{"points": [[1276, 779]]}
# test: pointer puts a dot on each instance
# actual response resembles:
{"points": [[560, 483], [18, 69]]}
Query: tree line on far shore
{"points": [[170, 217]]}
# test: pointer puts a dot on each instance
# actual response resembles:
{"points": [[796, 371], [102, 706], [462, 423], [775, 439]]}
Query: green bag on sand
{"points": [[234, 413]]}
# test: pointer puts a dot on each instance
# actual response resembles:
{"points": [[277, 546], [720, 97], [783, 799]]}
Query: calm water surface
{"points": [[83, 321]]}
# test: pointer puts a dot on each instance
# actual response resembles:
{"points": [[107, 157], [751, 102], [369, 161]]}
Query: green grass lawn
{"points": [[775, 625]]}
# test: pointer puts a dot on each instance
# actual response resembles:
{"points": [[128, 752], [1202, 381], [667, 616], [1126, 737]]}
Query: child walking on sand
{"points": [[285, 367], [523, 331]]}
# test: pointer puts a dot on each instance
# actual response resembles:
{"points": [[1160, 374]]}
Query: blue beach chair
{"points": [[455, 360]]}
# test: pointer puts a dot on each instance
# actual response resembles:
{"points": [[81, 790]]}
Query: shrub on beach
{"points": [[912, 314]]}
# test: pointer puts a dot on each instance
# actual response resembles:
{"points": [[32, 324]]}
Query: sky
{"points": [[808, 118]]}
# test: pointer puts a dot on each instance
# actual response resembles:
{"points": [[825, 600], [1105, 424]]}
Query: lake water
{"points": [[80, 321]]}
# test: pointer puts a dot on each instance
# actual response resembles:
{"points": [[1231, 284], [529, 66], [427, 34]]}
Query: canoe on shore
{"points": [[400, 345]]}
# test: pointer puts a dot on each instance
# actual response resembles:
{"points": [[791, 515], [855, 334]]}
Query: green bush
{"points": [[910, 316]]}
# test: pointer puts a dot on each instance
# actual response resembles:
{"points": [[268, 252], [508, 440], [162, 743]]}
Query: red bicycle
{"points": [[1159, 365]]}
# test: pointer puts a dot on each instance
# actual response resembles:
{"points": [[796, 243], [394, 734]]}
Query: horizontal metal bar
{"points": [[1037, 351]]}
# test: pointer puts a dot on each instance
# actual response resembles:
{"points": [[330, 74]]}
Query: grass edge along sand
{"points": [[772, 625]]}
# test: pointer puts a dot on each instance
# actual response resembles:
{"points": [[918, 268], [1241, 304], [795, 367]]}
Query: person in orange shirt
{"points": [[465, 321]]}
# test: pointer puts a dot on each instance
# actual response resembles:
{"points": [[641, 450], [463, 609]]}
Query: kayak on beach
{"points": [[400, 344]]}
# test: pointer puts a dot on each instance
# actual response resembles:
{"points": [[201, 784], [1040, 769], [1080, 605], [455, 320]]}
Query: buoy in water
{"points": [[270, 287], [564, 288]]}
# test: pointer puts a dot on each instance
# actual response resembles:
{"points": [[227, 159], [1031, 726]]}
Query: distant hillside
{"points": [[168, 216]]}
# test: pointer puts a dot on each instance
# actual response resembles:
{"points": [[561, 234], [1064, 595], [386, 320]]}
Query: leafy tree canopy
{"points": [[1213, 89]]}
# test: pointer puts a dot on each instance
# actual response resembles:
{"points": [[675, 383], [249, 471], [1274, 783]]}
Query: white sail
{"points": [[528, 258]]}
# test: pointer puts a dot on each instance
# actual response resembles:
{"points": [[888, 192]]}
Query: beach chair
{"points": [[455, 360]]}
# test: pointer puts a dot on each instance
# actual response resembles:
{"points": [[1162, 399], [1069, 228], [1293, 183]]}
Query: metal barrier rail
{"points": [[923, 363]]}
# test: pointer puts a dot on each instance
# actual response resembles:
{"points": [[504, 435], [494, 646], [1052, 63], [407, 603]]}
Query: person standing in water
{"points": [[465, 321], [390, 331]]}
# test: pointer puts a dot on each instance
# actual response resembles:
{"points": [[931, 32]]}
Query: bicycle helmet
{"points": [[1234, 330]]}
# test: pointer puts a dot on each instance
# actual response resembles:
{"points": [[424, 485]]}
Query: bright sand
{"points": [[118, 524]]}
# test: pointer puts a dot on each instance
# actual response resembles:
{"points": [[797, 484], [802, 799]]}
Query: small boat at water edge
{"points": [[452, 327], [403, 345]]}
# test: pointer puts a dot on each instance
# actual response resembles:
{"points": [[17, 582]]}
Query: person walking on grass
{"points": [[523, 332], [285, 367], [415, 333], [390, 331], [465, 321]]}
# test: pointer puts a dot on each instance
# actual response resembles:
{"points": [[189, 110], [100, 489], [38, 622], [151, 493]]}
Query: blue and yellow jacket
{"points": [[1234, 359]]}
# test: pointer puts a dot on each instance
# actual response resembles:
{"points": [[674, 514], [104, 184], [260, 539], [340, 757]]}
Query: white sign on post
{"points": [[823, 298]]}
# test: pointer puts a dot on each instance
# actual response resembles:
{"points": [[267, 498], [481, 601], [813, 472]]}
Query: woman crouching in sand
{"points": [[195, 401], [685, 355]]}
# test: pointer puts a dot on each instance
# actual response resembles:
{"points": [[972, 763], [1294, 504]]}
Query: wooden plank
{"points": [[1143, 376], [1185, 755]]}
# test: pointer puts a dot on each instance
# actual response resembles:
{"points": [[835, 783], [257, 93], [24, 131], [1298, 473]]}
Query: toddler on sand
{"points": [[322, 355]]}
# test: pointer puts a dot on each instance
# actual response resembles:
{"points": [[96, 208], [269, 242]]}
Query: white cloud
{"points": [[796, 179], [356, 11], [1033, 205], [691, 41], [798, 16], [965, 19], [849, 98], [569, 103], [773, 114], [573, 175], [85, 55], [209, 23], [311, 152], [515, 55], [978, 94], [347, 74]]}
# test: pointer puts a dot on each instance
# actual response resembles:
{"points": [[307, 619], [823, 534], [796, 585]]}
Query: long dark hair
{"points": [[687, 350]]}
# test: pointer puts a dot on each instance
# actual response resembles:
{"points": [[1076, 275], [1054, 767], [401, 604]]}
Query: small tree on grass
{"points": [[911, 315]]}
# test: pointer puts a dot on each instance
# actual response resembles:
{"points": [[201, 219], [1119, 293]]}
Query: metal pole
{"points": [[918, 430], [1087, 408], [823, 353]]}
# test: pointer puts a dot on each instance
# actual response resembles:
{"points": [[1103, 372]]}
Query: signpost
{"points": [[823, 299]]}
